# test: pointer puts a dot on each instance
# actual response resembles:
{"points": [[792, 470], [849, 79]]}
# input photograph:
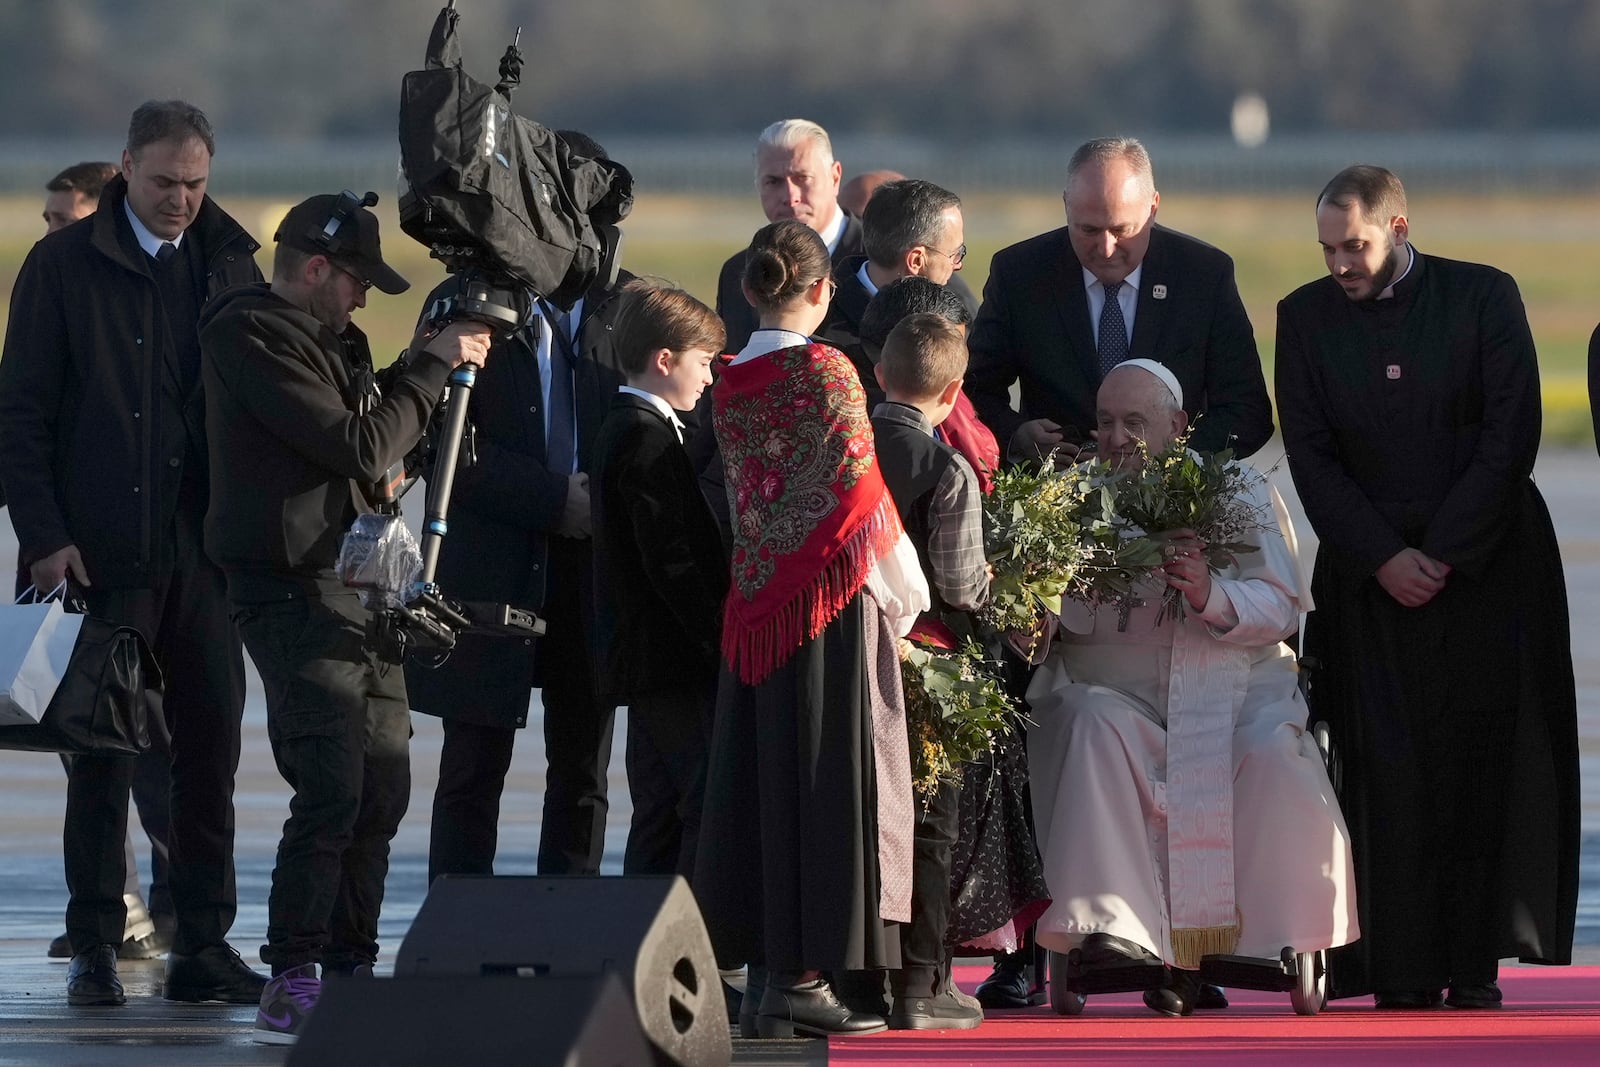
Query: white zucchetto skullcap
{"points": [[1160, 370]]}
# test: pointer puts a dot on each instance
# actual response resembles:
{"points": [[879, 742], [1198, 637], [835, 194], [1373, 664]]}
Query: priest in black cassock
{"points": [[1408, 393]]}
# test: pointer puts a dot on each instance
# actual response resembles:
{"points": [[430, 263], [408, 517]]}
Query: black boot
{"points": [[793, 1005], [1014, 981]]}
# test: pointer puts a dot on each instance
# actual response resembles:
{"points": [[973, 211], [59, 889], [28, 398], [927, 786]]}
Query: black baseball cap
{"points": [[341, 228]]}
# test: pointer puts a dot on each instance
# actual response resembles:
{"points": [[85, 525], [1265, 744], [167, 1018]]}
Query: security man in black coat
{"points": [[519, 533], [103, 456]]}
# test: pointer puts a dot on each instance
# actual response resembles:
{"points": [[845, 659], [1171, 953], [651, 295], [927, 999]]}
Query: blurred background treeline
{"points": [[957, 70], [1487, 109]]}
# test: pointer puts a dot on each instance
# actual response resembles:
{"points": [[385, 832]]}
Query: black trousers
{"points": [[152, 796], [340, 727], [184, 616], [922, 939], [578, 726], [669, 739]]}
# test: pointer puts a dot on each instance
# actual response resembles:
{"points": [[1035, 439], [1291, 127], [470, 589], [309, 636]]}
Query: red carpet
{"points": [[1551, 1017]]}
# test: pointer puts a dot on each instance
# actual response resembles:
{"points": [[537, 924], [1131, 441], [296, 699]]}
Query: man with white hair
{"points": [[797, 178], [1181, 808]]}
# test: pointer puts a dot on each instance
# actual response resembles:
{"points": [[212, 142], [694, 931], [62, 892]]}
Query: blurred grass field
{"points": [[1551, 245]]}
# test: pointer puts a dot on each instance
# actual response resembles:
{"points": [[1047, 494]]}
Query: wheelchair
{"points": [[1303, 975]]}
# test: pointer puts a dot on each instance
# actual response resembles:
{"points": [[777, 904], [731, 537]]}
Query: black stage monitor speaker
{"points": [[648, 931], [445, 1022]]}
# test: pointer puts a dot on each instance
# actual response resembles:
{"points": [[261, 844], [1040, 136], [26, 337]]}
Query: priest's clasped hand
{"points": [[1412, 577], [1184, 559]]}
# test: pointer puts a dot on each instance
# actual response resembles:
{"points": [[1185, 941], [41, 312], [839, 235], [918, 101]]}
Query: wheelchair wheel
{"points": [[1310, 994], [1063, 1000]]}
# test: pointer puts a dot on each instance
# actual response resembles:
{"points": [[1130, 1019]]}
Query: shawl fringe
{"points": [[755, 651]]}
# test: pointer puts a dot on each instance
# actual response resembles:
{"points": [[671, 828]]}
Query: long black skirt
{"points": [[787, 872], [995, 873]]}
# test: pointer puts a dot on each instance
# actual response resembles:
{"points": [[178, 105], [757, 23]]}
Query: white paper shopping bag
{"points": [[36, 642]]}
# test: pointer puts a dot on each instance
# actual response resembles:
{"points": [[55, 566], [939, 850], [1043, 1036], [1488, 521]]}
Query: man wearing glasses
{"points": [[299, 433], [911, 228], [1063, 308]]}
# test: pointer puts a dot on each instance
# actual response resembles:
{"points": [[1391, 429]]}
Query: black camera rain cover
{"points": [[503, 191]]}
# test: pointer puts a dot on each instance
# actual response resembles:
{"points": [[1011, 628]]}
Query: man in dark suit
{"points": [[103, 442], [797, 178], [1063, 308], [911, 228], [519, 532], [660, 574]]}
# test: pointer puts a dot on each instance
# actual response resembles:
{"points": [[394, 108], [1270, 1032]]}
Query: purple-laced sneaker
{"points": [[285, 1003]]}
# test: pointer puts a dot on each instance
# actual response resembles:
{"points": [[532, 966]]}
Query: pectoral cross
{"points": [[1125, 605]]}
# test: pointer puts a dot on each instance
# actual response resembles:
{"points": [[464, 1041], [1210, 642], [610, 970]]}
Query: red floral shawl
{"points": [[811, 515]]}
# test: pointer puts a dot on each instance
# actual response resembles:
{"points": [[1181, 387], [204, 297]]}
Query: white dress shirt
{"points": [[659, 404], [147, 240], [1127, 297]]}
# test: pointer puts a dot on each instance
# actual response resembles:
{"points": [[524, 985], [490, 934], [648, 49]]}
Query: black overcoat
{"points": [[504, 508], [1414, 421], [98, 430]]}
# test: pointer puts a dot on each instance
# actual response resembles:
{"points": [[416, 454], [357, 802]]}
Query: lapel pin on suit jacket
{"points": [[1159, 292]]}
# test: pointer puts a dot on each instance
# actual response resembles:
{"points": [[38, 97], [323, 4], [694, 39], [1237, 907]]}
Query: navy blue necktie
{"points": [[166, 251], [559, 447], [1113, 343]]}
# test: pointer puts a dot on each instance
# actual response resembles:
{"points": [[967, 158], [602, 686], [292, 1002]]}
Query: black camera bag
{"points": [[488, 189]]}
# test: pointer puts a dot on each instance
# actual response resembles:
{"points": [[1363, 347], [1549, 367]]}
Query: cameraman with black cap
{"points": [[299, 431]]}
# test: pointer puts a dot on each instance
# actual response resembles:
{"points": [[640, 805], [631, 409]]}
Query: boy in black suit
{"points": [[660, 573], [936, 491]]}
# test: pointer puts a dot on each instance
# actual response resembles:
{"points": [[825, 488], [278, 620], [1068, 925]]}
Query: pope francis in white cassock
{"points": [[1180, 803]]}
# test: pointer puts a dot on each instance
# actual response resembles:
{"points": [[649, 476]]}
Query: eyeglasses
{"points": [[956, 258], [364, 284], [833, 286]]}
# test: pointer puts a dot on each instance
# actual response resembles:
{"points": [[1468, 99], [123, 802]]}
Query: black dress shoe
{"points": [[214, 973], [1407, 999], [92, 977], [1101, 950], [1010, 984], [810, 1008], [1178, 997], [1211, 997], [940, 1012], [1479, 995], [60, 948]]}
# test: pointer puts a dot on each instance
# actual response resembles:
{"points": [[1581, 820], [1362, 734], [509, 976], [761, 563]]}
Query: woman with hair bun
{"points": [[805, 858]]}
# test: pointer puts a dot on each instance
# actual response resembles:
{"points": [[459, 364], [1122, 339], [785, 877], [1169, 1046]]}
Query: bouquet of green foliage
{"points": [[1053, 533], [1034, 540], [1176, 489], [955, 707]]}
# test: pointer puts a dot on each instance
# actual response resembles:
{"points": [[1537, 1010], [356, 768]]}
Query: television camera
{"points": [[517, 217]]}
